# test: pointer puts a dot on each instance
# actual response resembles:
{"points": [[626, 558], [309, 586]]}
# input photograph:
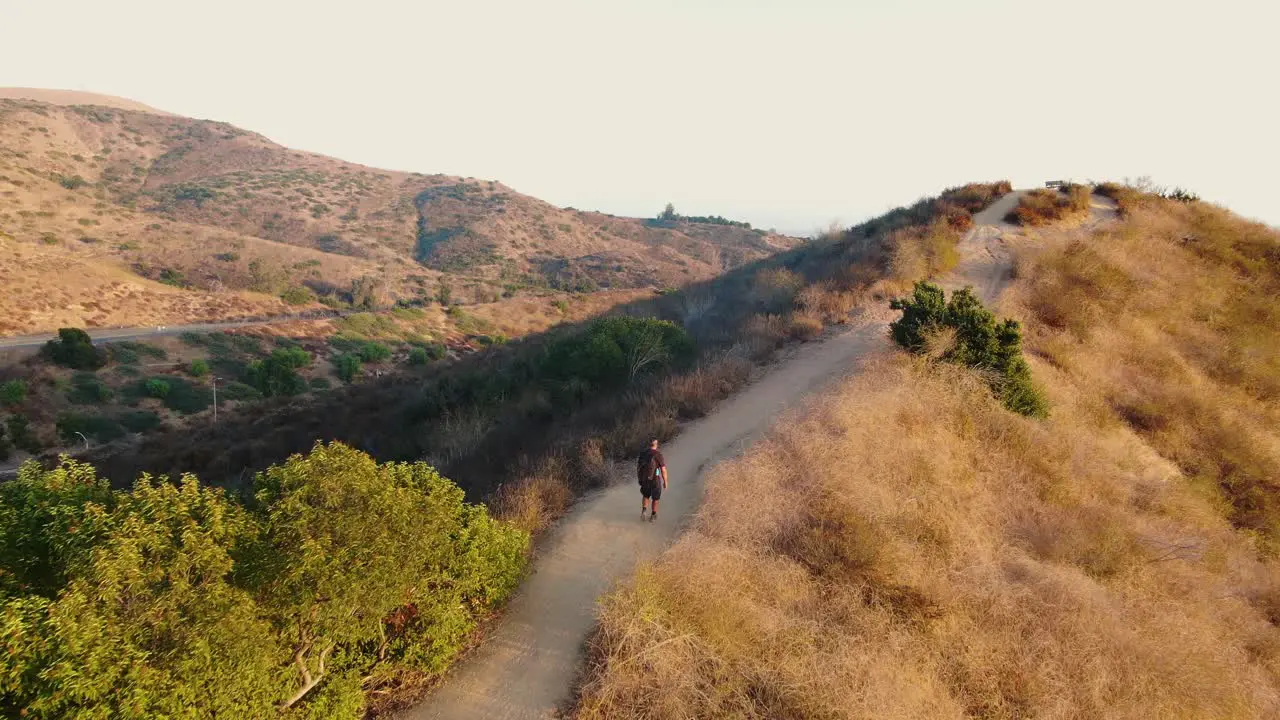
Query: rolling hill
{"points": [[117, 214]]}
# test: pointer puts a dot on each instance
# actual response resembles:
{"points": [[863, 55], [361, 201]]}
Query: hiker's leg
{"points": [[655, 506]]}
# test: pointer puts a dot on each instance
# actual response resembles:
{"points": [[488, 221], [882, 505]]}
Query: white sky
{"points": [[790, 113]]}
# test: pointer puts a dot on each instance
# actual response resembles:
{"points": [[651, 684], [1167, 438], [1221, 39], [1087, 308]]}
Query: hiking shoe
{"points": [[653, 516]]}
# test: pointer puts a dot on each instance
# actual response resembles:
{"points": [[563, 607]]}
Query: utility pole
{"points": [[214, 380]]}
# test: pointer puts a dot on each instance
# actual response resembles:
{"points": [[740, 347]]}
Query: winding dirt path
{"points": [[527, 667]]}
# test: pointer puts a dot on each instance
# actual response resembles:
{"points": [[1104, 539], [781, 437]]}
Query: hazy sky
{"points": [[788, 113]]}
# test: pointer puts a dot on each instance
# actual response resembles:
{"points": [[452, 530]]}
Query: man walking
{"points": [[651, 469]]}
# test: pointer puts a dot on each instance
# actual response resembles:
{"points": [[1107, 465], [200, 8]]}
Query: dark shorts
{"points": [[651, 490]]}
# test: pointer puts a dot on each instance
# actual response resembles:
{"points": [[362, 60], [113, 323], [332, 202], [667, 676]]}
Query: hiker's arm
{"points": [[664, 476]]}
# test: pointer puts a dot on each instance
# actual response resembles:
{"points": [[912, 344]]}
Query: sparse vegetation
{"points": [[72, 182]]}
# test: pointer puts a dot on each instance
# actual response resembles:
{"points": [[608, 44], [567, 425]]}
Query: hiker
{"points": [[651, 469]]}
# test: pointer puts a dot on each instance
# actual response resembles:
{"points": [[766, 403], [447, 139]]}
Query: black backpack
{"points": [[646, 466]]}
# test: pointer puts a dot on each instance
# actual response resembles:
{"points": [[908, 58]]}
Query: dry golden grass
{"points": [[1042, 207], [909, 549], [922, 251]]}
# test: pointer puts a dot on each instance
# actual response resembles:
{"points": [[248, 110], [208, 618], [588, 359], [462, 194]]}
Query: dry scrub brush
{"points": [[1041, 207], [910, 549]]}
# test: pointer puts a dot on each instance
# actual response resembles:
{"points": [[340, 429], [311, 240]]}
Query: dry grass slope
{"points": [[215, 210], [909, 549]]}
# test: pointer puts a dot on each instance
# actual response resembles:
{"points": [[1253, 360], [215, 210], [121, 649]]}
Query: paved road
{"points": [[527, 667], [103, 335]]}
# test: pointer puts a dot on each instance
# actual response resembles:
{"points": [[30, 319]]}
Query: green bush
{"points": [[298, 295], [277, 374], [99, 427], [72, 182], [20, 434], [320, 383], [334, 579], [74, 349], [13, 392], [138, 421], [136, 349], [5, 446], [980, 342], [418, 356], [617, 350], [171, 600], [183, 396], [239, 391], [373, 352], [87, 389], [121, 604], [158, 388], [198, 368], [347, 366]]}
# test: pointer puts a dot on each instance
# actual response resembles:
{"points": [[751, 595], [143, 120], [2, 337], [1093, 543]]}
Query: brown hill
{"points": [[114, 215]]}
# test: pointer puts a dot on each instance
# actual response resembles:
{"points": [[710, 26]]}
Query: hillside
{"points": [[153, 622], [911, 548], [117, 215]]}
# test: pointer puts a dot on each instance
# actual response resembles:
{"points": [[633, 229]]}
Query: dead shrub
{"points": [[763, 335], [534, 501], [804, 326], [695, 393], [1041, 207]]}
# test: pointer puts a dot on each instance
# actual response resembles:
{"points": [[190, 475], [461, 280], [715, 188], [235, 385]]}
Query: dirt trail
{"points": [[528, 665]]}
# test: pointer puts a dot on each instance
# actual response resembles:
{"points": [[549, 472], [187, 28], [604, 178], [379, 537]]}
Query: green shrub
{"points": [[320, 383], [99, 427], [373, 352], [74, 349], [140, 348], [239, 391], [72, 182], [347, 366], [298, 295], [5, 447], [138, 421], [979, 342], [179, 394], [13, 392], [122, 605], [617, 350], [158, 388], [87, 389], [170, 600], [277, 374], [198, 368], [334, 579], [418, 356], [20, 434]]}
